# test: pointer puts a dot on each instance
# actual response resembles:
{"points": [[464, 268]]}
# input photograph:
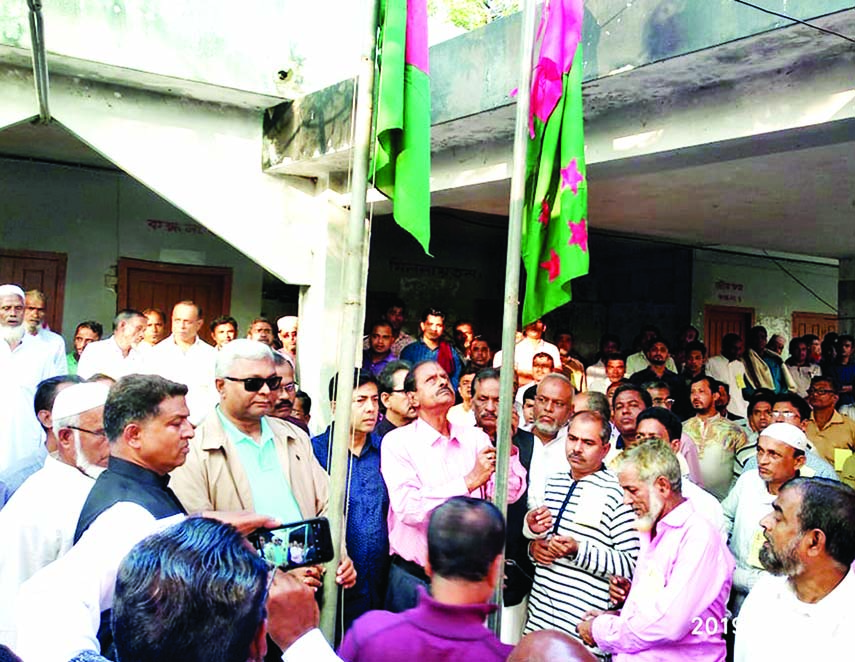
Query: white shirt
{"points": [[37, 527], [195, 368], [707, 505], [596, 377], [20, 431], [524, 352], [638, 362], [775, 625], [32, 361], [459, 416], [731, 373], [105, 357], [546, 459], [80, 585], [56, 349], [748, 502]]}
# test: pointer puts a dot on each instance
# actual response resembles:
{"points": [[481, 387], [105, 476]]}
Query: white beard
{"points": [[646, 522], [12, 334], [91, 470]]}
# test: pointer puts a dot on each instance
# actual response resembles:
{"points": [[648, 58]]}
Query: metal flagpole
{"points": [[352, 314], [512, 278]]}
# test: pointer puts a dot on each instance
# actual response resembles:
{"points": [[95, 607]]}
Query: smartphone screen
{"points": [[295, 545]]}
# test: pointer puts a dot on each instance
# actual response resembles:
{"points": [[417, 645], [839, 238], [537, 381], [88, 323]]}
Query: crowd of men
{"points": [[664, 505]]}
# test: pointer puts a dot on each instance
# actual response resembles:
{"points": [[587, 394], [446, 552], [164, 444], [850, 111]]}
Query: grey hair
{"points": [[652, 459], [561, 378], [65, 422], [599, 403], [242, 348]]}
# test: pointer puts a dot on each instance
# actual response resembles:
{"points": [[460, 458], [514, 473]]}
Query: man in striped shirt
{"points": [[583, 534]]}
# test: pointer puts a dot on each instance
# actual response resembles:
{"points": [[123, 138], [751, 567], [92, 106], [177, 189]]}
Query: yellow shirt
{"points": [[839, 432]]}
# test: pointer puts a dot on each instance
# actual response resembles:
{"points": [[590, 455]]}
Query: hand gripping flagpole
{"points": [[351, 323], [512, 278]]}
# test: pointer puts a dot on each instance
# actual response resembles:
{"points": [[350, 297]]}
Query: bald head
{"points": [[549, 645]]}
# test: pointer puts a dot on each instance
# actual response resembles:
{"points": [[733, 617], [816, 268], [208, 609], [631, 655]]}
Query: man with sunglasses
{"points": [[244, 459]]}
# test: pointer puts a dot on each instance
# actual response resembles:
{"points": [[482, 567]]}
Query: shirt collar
{"points": [[236, 436], [446, 620], [677, 517], [426, 433]]}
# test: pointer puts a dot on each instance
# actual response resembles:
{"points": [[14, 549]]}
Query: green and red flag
{"points": [[402, 151], [555, 227]]}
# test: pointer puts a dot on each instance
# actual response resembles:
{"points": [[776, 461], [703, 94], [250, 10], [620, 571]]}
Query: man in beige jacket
{"points": [[243, 459]]}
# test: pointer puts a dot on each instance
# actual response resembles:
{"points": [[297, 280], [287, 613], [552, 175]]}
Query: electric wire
{"points": [[799, 281], [772, 12]]}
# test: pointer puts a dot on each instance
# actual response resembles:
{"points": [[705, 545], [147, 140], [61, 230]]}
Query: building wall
{"points": [[731, 279], [97, 216]]}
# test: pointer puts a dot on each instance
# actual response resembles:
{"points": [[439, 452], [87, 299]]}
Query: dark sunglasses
{"points": [[254, 384]]}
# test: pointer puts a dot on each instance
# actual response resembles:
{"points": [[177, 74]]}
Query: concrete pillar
{"points": [[320, 309]]}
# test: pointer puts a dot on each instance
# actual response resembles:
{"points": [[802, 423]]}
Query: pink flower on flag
{"points": [[544, 213], [571, 177], [578, 234], [552, 265]]}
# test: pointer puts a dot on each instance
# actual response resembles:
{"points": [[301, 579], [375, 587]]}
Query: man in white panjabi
{"points": [[38, 522]]}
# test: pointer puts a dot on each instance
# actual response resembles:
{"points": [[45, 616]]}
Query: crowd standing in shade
{"points": [[664, 504]]}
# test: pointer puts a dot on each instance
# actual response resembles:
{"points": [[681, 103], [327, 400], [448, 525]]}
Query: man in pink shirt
{"points": [[424, 464], [672, 612]]}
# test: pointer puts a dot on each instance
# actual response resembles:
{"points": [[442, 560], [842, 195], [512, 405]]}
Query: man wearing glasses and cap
{"points": [[780, 454], [243, 459], [38, 521]]}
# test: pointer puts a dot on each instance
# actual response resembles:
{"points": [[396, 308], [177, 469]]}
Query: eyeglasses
{"points": [[290, 387], [820, 391], [94, 433], [784, 414], [254, 384]]}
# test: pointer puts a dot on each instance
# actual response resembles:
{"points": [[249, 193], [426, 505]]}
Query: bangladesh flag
{"points": [[402, 151], [555, 227]]}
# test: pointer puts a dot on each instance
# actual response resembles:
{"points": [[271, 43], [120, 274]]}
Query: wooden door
{"points": [[143, 284], [38, 270], [815, 323], [721, 320]]}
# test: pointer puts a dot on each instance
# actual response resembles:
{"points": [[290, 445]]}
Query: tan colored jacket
{"points": [[212, 478]]}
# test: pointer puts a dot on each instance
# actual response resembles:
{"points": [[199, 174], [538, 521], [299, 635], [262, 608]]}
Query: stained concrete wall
{"points": [[762, 285], [95, 217]]}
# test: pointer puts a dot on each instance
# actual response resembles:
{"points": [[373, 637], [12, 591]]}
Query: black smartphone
{"points": [[295, 545]]}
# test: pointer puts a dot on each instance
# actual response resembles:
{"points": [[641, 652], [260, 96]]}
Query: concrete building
{"points": [[719, 143]]}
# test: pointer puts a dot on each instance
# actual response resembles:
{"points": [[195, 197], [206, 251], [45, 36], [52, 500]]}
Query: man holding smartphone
{"points": [[243, 459]]}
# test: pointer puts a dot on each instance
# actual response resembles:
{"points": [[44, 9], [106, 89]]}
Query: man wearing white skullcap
{"points": [[780, 454], [38, 522], [24, 362]]}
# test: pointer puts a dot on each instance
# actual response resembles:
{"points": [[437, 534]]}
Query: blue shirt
{"points": [[14, 476], [271, 492], [417, 352], [375, 368], [367, 534], [845, 375]]}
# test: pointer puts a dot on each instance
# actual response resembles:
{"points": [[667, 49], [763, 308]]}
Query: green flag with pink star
{"points": [[555, 227]]}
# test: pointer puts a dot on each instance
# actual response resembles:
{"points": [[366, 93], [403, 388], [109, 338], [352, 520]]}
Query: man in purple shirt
{"points": [[672, 612], [465, 541]]}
